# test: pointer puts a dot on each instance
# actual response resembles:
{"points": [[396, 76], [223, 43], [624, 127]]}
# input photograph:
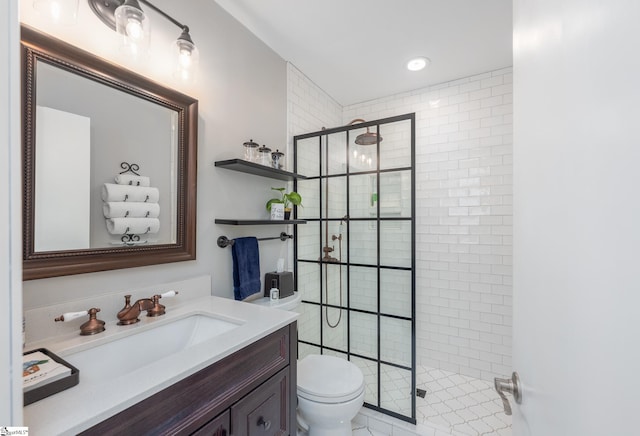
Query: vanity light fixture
{"points": [[187, 54], [128, 19], [133, 24], [58, 11], [417, 64]]}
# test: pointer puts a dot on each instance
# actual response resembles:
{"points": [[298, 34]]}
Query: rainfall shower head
{"points": [[368, 138]]}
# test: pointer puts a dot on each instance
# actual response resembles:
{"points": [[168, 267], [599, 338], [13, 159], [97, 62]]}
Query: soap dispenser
{"points": [[274, 292]]}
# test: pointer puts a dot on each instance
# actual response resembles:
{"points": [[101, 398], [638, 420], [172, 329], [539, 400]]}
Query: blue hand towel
{"points": [[246, 267]]}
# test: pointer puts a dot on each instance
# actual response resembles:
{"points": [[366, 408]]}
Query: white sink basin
{"points": [[132, 352]]}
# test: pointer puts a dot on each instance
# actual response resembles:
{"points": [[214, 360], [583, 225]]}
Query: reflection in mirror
{"points": [[63, 180], [83, 119], [80, 144]]}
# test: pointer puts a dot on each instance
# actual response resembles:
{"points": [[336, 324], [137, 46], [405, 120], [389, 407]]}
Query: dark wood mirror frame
{"points": [[35, 47]]}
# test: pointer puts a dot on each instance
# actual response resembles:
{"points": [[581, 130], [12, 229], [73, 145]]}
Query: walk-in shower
{"points": [[354, 259]]}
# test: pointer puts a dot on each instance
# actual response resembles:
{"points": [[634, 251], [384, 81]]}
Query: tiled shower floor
{"points": [[462, 404], [454, 404]]}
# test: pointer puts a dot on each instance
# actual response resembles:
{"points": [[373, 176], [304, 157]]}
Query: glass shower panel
{"points": [[395, 243], [369, 370], [308, 156], [395, 292], [334, 328], [363, 288], [395, 341], [362, 157], [309, 190], [395, 148], [364, 334], [308, 241], [336, 206], [395, 194], [334, 240], [334, 279], [363, 196], [354, 255], [363, 240], [309, 281], [336, 144], [335, 354], [309, 323], [395, 389], [306, 349]]}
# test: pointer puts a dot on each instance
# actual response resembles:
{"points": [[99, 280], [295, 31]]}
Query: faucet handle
{"points": [[91, 327], [159, 309], [68, 316]]}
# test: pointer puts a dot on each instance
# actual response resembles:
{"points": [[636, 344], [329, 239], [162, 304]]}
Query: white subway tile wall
{"points": [[463, 217]]}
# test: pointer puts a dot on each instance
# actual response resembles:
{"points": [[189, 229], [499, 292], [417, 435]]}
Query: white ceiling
{"points": [[356, 50]]}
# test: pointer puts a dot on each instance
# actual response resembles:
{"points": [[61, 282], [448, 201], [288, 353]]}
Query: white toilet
{"points": [[330, 394], [330, 389]]}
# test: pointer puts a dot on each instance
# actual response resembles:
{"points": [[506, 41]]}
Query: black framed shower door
{"points": [[355, 257]]}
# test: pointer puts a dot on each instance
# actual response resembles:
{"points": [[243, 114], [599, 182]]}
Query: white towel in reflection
{"points": [[130, 179], [130, 209], [134, 226], [114, 192]]}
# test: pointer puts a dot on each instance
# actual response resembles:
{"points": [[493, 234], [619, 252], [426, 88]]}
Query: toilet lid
{"points": [[329, 379]]}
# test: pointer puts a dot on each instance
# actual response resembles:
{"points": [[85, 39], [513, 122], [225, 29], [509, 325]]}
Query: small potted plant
{"points": [[287, 199]]}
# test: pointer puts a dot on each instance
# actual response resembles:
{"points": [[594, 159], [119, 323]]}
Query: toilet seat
{"points": [[329, 379]]}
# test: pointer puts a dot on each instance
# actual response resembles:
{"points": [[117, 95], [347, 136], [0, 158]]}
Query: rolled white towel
{"points": [[130, 179], [114, 192], [130, 209], [133, 226]]}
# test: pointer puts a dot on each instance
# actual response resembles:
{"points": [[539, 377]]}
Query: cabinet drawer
{"points": [[265, 411], [218, 426]]}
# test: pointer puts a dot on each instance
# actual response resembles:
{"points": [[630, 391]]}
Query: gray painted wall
{"points": [[241, 88]]}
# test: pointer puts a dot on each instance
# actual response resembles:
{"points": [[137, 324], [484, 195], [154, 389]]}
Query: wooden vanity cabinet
{"points": [[219, 426], [249, 393]]}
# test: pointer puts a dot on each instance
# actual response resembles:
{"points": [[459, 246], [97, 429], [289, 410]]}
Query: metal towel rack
{"points": [[223, 241]]}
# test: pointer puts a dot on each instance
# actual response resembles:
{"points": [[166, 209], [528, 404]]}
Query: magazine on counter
{"points": [[38, 369]]}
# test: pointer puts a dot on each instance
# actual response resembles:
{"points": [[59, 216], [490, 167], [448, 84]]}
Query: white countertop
{"points": [[90, 402]]}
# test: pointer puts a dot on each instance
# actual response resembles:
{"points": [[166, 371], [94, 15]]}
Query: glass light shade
{"points": [[58, 11], [187, 57], [133, 25]]}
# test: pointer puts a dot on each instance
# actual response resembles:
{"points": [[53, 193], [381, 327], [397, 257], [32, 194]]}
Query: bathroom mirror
{"points": [[86, 121]]}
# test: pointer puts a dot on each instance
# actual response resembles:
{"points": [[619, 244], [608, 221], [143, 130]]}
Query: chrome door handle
{"points": [[508, 386]]}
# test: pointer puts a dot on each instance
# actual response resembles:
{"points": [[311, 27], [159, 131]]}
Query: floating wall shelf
{"points": [[234, 222], [244, 166]]}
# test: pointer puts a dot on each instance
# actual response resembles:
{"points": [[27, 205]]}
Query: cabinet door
{"points": [[218, 426], [265, 411]]}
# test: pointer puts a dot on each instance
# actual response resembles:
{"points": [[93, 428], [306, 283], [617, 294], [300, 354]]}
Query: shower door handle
{"points": [[508, 386]]}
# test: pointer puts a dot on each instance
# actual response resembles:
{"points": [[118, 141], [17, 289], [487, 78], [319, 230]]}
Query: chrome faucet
{"points": [[129, 313]]}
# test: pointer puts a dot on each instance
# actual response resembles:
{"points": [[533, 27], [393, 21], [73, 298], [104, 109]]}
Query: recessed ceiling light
{"points": [[417, 64]]}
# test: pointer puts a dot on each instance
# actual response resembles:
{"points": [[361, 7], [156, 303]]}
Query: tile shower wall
{"points": [[463, 215], [463, 219], [309, 109]]}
